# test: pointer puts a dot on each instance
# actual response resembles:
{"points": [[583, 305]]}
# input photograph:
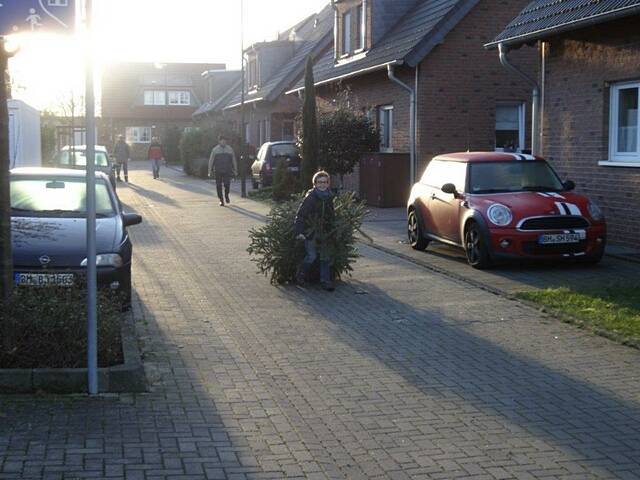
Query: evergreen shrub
{"points": [[278, 254], [171, 144], [285, 183], [49, 329]]}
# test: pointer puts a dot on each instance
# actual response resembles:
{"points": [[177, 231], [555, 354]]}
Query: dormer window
{"points": [[359, 27], [351, 27], [252, 73], [346, 33]]}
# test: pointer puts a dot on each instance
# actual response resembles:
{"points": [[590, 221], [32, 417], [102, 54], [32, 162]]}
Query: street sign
{"points": [[47, 16]]}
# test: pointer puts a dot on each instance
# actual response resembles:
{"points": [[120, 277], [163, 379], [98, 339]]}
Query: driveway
{"points": [[619, 267], [401, 373]]}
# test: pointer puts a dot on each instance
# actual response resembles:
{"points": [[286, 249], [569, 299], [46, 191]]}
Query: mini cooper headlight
{"points": [[106, 260], [499, 215], [595, 211]]}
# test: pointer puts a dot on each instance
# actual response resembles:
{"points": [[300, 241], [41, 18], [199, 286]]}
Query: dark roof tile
{"points": [[544, 17], [311, 38], [408, 41]]}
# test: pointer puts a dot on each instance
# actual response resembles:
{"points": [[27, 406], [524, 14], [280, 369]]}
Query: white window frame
{"points": [[361, 38], [628, 159], [155, 97], [179, 97], [138, 134], [386, 144], [252, 73], [522, 113], [346, 33]]}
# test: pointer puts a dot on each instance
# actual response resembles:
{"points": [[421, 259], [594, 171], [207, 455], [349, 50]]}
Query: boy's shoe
{"points": [[328, 286], [226, 198], [126, 178], [119, 179], [221, 203]]}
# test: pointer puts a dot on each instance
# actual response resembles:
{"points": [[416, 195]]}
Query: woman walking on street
{"points": [[156, 155]]}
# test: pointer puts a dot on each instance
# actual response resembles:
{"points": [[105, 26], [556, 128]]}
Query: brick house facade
{"points": [[579, 75], [271, 68], [459, 85], [141, 100], [587, 74]]}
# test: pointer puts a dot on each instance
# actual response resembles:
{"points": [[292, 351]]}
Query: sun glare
{"points": [[48, 69]]}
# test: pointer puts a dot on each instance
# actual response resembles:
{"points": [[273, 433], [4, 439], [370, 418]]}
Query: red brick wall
{"points": [[286, 106], [460, 83], [374, 90], [123, 86], [579, 68]]}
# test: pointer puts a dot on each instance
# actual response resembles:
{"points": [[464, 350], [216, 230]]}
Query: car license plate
{"points": [[45, 279], [551, 238]]}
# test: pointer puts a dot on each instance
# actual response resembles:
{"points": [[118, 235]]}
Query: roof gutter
{"points": [[252, 100], [412, 123], [349, 75], [535, 100]]}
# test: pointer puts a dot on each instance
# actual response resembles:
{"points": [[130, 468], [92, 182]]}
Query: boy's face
{"points": [[322, 183], [223, 142]]}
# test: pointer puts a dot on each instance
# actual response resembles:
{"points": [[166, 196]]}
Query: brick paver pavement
{"points": [[401, 373]]}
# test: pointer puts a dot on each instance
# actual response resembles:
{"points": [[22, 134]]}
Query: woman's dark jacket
{"points": [[315, 211]]}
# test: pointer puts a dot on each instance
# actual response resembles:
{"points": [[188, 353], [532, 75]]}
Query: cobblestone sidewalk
{"points": [[401, 373]]}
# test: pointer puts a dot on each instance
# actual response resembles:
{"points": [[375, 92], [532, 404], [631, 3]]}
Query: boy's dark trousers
{"points": [[223, 178]]}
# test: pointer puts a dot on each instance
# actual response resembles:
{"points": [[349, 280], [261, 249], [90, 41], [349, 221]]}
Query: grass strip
{"points": [[612, 311]]}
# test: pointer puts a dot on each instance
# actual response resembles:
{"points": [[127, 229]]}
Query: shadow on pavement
{"points": [[480, 389], [246, 212], [151, 195]]}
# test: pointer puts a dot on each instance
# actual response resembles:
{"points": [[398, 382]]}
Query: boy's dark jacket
{"points": [[315, 211]]}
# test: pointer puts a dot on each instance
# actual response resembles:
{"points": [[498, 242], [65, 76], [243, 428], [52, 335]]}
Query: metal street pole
{"points": [[6, 258], [243, 185], [92, 320]]}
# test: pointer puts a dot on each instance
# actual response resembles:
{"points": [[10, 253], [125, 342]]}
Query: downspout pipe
{"points": [[412, 123], [535, 100]]}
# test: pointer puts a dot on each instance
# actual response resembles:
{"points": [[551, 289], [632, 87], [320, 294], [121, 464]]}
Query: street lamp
{"points": [[243, 185]]}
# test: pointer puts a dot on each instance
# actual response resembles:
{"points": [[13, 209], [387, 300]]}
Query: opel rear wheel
{"points": [[417, 240], [475, 247]]}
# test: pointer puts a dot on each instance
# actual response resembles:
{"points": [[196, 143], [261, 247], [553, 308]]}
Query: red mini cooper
{"points": [[503, 206]]}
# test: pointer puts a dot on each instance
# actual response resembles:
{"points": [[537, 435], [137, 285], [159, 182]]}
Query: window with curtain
{"points": [[359, 27], [510, 127], [154, 97], [179, 97], [385, 126], [138, 134], [624, 134], [346, 33]]}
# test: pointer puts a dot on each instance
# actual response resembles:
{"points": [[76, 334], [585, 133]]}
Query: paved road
{"points": [[388, 227], [401, 373]]}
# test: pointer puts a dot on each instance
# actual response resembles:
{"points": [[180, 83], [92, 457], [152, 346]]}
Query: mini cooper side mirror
{"points": [[569, 185], [449, 188]]}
